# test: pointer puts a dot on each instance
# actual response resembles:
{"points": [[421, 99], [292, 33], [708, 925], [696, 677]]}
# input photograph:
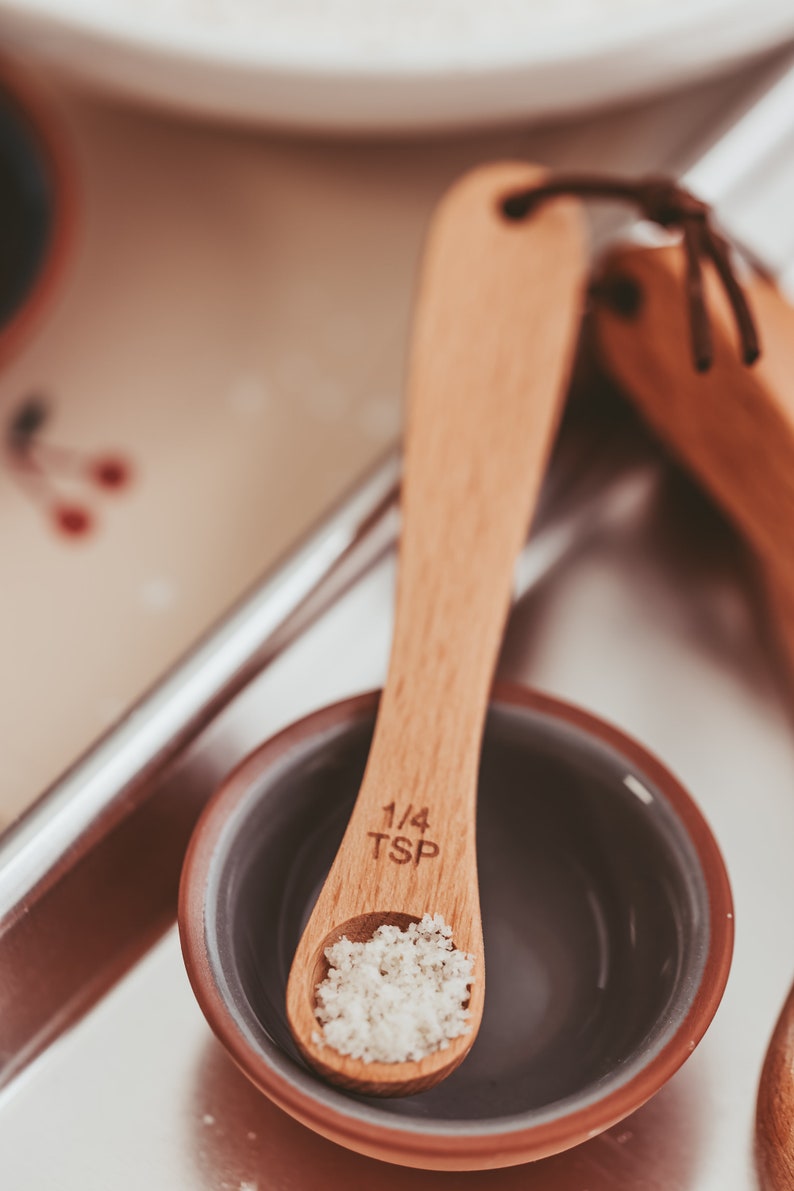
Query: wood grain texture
{"points": [[495, 330], [775, 1110], [733, 426], [734, 429]]}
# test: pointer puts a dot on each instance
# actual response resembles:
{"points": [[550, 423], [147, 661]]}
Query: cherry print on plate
{"points": [[43, 469]]}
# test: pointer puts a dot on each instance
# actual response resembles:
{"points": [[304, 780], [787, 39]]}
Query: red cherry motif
{"points": [[72, 520], [38, 466], [110, 472]]}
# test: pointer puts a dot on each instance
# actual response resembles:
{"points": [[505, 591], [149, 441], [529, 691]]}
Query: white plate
{"points": [[365, 75]]}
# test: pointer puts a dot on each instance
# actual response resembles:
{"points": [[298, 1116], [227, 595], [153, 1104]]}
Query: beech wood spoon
{"points": [[733, 427], [494, 335]]}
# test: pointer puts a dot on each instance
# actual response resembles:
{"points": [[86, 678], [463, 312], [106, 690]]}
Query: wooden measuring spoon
{"points": [[494, 335], [734, 429]]}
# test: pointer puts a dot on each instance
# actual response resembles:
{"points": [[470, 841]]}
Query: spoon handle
{"points": [[494, 335], [495, 330], [774, 1129], [732, 427]]}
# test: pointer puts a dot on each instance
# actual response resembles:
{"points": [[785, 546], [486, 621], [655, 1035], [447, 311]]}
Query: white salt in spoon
{"points": [[494, 335]]}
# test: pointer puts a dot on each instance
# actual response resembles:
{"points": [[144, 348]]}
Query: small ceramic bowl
{"points": [[606, 913]]}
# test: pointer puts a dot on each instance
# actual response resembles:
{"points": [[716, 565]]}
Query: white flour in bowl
{"points": [[397, 997]]}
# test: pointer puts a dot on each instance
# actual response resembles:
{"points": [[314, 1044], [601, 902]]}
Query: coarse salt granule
{"points": [[398, 996]]}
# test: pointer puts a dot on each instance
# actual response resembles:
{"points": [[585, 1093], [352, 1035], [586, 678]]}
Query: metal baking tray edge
{"points": [[89, 875]]}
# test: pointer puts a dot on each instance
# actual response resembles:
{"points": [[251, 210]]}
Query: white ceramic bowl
{"points": [[154, 51]]}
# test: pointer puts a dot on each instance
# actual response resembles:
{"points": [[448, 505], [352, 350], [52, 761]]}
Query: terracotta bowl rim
{"points": [[453, 1143]]}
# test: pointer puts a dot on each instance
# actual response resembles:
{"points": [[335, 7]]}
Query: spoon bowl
{"points": [[371, 1078]]}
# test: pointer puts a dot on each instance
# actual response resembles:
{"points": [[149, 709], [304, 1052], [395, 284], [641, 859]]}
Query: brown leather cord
{"points": [[662, 201]]}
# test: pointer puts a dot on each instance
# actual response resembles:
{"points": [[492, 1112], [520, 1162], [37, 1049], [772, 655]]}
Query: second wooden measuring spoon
{"points": [[494, 335], [733, 428]]}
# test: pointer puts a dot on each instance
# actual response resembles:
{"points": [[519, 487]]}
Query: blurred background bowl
{"points": [[359, 70], [37, 207]]}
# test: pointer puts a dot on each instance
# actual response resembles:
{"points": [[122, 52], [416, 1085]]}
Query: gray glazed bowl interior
{"points": [[595, 913]]}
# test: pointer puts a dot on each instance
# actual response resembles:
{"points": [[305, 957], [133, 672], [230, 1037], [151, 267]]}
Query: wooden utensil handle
{"points": [[775, 1110], [494, 334], [733, 427]]}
